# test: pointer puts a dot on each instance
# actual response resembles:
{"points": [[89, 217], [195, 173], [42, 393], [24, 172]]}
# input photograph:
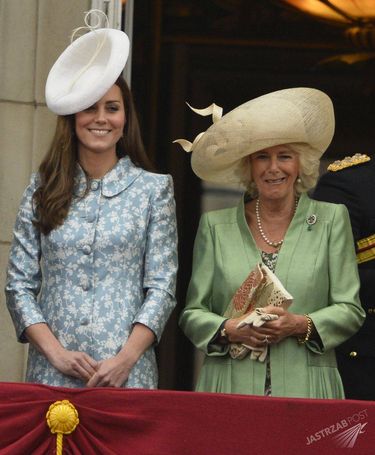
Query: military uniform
{"points": [[352, 182]]}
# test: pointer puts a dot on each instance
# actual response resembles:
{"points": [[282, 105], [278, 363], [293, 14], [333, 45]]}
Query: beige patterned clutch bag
{"points": [[260, 288]]}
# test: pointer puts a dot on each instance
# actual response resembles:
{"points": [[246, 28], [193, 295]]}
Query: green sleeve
{"points": [[344, 314]]}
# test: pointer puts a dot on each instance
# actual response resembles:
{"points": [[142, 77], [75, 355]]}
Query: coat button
{"points": [[90, 217], [353, 354], [86, 286], [84, 321], [86, 249], [94, 185]]}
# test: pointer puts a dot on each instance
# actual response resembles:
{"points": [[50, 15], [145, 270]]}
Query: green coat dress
{"points": [[317, 266]]}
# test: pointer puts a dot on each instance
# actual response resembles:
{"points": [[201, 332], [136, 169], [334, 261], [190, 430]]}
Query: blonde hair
{"points": [[309, 169]]}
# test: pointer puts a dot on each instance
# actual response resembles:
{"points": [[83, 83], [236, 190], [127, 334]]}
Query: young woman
{"points": [[92, 268]]}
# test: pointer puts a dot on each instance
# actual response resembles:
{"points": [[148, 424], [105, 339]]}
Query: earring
{"points": [[298, 180]]}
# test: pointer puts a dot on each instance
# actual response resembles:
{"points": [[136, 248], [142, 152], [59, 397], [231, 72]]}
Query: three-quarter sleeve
{"points": [[24, 274], [344, 314], [160, 263]]}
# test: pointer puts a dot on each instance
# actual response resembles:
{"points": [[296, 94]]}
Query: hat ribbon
{"points": [[214, 110], [95, 13]]}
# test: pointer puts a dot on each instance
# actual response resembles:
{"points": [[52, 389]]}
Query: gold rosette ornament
{"points": [[62, 418]]}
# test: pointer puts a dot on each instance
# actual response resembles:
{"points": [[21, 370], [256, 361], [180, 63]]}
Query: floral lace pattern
{"points": [[270, 259], [111, 264]]}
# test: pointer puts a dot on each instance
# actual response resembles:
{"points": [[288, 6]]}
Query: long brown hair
{"points": [[53, 197]]}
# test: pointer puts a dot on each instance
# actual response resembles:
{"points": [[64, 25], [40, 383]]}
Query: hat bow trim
{"points": [[214, 110]]}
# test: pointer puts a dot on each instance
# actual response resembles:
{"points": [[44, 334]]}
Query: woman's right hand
{"points": [[248, 335], [74, 363]]}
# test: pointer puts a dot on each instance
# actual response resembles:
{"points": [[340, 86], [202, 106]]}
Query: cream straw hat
{"points": [[290, 116], [87, 69]]}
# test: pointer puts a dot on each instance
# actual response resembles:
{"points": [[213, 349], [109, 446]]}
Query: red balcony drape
{"points": [[143, 422]]}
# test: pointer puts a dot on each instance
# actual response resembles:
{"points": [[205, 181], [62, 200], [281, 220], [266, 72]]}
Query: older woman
{"points": [[273, 144]]}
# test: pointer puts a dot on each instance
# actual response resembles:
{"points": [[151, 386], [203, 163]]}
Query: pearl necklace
{"points": [[263, 235]]}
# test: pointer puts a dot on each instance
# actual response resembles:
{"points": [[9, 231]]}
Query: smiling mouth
{"points": [[276, 181], [99, 132]]}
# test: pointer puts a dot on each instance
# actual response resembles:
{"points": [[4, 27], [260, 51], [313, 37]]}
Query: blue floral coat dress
{"points": [[111, 264]]}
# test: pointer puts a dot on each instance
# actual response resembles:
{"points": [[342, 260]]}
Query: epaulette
{"points": [[348, 161]]}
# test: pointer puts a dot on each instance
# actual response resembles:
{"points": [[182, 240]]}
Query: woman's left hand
{"points": [[287, 324], [111, 372]]}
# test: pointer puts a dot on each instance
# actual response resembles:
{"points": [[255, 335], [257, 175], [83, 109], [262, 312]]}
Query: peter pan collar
{"points": [[114, 182]]}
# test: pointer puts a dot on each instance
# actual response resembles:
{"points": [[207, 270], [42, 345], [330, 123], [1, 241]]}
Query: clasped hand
{"points": [[112, 372], [271, 331]]}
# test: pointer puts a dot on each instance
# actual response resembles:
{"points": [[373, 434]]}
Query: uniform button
{"points": [[86, 249], [353, 354], [90, 218], [94, 185], [84, 321], [86, 286]]}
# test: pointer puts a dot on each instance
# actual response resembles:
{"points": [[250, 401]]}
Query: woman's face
{"points": [[100, 126], [275, 171]]}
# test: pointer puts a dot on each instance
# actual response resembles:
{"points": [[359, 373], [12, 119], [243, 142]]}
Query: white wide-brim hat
{"points": [[86, 70], [300, 115]]}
